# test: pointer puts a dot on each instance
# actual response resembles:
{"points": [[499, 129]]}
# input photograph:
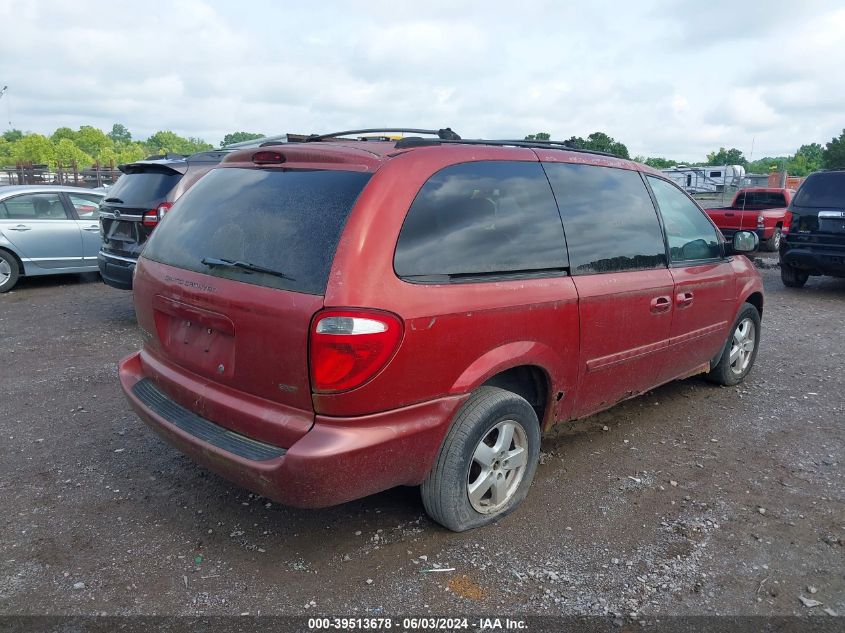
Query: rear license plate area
{"points": [[122, 231], [196, 339], [830, 225], [832, 221]]}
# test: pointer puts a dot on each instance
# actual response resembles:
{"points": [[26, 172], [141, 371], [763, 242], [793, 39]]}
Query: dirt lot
{"points": [[692, 499]]}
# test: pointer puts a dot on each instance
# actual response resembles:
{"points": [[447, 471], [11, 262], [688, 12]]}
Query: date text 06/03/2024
{"points": [[417, 624]]}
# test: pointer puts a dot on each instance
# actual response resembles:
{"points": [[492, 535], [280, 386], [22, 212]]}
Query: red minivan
{"points": [[329, 319]]}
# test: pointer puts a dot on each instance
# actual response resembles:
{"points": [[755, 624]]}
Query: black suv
{"points": [[135, 204], [815, 244]]}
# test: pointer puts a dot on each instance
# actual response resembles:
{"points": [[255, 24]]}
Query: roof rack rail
{"points": [[422, 142], [445, 133], [277, 139]]}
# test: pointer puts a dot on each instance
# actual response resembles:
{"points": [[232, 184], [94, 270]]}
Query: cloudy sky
{"points": [[667, 78]]}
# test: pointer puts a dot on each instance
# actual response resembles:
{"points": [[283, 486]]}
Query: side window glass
{"points": [[610, 221], [87, 207], [690, 234], [36, 206], [482, 218]]}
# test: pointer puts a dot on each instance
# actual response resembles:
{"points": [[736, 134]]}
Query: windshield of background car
{"points": [[824, 189], [285, 221], [143, 189]]}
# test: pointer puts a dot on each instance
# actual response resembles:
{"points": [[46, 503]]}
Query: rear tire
{"points": [[793, 277], [9, 271], [740, 351], [486, 462], [773, 243]]}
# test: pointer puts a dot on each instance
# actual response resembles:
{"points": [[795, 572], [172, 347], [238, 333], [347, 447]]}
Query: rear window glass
{"points": [[144, 189], [610, 221], [825, 189], [288, 222], [483, 218], [760, 200]]}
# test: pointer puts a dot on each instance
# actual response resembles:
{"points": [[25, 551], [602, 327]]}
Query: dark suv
{"points": [[815, 242], [329, 319], [135, 205]]}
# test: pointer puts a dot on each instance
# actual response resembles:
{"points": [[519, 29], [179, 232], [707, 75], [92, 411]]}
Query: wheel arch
{"points": [[523, 368], [527, 381], [756, 299], [16, 257]]}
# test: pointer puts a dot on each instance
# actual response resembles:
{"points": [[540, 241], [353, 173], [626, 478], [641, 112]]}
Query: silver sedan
{"points": [[47, 230]]}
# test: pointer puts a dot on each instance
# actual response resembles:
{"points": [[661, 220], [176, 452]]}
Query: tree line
{"points": [[806, 159], [89, 145]]}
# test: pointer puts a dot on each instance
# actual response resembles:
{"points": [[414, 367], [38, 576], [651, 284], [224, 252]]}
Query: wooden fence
{"points": [[27, 173]]}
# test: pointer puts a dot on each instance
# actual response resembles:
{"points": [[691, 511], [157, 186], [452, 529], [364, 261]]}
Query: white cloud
{"points": [[746, 108], [680, 104], [666, 78]]}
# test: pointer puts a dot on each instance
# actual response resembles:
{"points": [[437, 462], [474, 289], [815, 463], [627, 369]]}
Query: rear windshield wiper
{"points": [[118, 200], [211, 262]]}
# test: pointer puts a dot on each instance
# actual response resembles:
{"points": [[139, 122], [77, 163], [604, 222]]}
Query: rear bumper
{"points": [[816, 261], [116, 271], [338, 460]]}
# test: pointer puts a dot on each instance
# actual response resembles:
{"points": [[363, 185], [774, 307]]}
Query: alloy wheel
{"points": [[497, 467], [5, 271], [742, 345]]}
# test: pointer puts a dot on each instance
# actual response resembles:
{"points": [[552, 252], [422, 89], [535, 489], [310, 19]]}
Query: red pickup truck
{"points": [[759, 209]]}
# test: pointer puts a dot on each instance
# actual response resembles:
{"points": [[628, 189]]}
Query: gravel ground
{"points": [[692, 499]]}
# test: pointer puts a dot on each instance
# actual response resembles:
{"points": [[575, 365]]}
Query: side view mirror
{"points": [[744, 242]]}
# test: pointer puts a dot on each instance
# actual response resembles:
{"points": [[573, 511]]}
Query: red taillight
{"points": [[267, 157], [153, 216], [787, 222], [348, 347]]}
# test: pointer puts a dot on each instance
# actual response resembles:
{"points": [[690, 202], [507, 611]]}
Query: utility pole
{"points": [[2, 92]]}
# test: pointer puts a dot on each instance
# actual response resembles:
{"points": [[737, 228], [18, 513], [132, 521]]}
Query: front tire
{"points": [[793, 277], [9, 271], [486, 463], [740, 350]]}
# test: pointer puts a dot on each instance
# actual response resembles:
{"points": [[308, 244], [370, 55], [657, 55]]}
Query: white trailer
{"points": [[706, 179]]}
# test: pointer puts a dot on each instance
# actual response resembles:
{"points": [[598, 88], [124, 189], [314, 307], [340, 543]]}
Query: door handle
{"points": [[661, 304], [20, 227], [684, 299], [91, 228]]}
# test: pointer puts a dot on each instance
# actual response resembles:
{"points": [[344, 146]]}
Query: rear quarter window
{"points": [[286, 221], [485, 218]]}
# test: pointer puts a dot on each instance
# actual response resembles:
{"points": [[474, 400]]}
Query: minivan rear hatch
{"points": [[141, 189], [228, 284]]}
